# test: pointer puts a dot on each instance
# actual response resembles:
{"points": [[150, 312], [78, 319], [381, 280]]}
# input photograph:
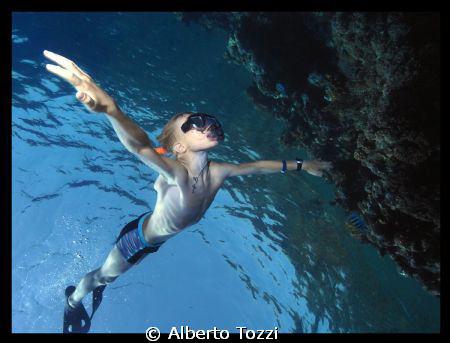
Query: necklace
{"points": [[196, 178]]}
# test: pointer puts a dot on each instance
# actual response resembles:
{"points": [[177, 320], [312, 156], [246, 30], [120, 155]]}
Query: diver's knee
{"points": [[109, 279], [105, 279]]}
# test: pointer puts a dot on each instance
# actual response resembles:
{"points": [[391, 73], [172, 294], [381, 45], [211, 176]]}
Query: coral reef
{"points": [[363, 91]]}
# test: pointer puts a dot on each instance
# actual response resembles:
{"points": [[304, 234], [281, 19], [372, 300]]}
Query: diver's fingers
{"points": [[325, 165], [315, 172], [67, 75], [64, 62]]}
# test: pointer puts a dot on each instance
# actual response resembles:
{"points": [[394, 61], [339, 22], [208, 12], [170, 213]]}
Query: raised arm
{"points": [[95, 99], [313, 167]]}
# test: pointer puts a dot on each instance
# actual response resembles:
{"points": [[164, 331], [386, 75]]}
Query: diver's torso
{"points": [[177, 207]]}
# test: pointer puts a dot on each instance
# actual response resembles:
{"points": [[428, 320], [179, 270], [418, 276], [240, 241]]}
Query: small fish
{"points": [[355, 222], [280, 88]]}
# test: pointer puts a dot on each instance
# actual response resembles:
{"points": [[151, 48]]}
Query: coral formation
{"points": [[363, 91]]}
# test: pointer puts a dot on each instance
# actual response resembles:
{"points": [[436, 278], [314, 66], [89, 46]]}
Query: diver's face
{"points": [[195, 139]]}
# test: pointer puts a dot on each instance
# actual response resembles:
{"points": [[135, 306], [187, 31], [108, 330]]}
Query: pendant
{"points": [[193, 186]]}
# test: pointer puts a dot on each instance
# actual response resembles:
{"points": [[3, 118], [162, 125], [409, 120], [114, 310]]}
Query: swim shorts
{"points": [[131, 242]]}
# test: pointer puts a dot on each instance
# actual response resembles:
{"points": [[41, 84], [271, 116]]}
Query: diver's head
{"points": [[191, 132]]}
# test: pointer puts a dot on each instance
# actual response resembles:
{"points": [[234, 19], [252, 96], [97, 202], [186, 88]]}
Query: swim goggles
{"points": [[202, 121]]}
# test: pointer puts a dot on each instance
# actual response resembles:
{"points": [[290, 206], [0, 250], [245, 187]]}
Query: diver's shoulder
{"points": [[219, 169], [180, 172]]}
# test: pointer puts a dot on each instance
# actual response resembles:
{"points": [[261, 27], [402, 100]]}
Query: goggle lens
{"points": [[202, 121], [196, 122]]}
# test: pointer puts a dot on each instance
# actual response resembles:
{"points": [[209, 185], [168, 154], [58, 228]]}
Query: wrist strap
{"points": [[299, 163]]}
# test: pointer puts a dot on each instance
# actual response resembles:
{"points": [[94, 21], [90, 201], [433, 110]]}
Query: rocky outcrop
{"points": [[363, 91]]}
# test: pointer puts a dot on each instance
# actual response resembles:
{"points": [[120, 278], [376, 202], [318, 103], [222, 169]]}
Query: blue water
{"points": [[270, 252]]}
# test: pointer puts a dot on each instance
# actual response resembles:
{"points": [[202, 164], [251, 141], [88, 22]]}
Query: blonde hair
{"points": [[167, 138]]}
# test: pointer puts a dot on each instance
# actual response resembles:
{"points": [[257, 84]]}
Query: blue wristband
{"points": [[284, 167]]}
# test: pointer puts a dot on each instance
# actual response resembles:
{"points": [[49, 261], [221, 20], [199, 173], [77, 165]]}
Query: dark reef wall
{"points": [[361, 90]]}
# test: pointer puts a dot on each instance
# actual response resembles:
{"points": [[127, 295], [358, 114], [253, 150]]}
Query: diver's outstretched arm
{"points": [[313, 167]]}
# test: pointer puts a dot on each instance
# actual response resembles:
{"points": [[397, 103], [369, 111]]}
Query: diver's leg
{"points": [[114, 266]]}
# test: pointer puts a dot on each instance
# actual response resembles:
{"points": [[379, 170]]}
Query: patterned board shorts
{"points": [[131, 242]]}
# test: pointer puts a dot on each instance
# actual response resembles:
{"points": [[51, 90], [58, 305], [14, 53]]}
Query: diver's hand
{"points": [[316, 167], [88, 93]]}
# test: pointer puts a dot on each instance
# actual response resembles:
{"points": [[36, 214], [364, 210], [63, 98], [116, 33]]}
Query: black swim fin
{"points": [[74, 317], [97, 296]]}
